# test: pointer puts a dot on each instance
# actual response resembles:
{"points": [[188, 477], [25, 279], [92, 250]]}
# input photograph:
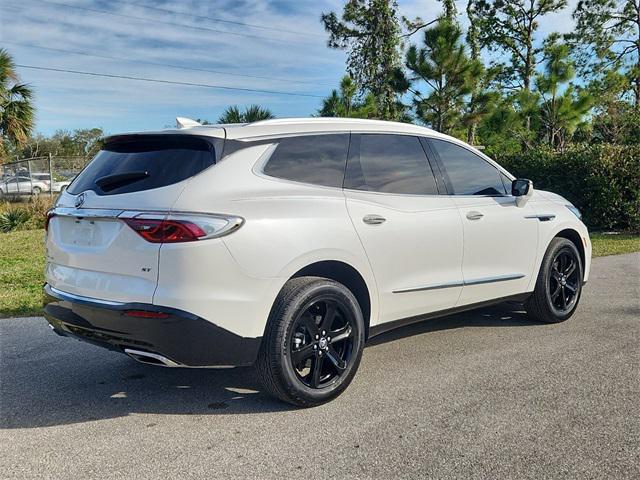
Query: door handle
{"points": [[373, 219], [474, 215]]}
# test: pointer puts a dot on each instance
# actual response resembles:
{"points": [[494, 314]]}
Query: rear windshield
{"points": [[135, 163]]}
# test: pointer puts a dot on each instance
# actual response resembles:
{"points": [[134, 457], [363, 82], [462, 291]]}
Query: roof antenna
{"points": [[184, 122]]}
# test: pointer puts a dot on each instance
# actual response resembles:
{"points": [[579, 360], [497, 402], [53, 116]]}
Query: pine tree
{"points": [[370, 32]]}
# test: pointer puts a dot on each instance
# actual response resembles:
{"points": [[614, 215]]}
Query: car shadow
{"points": [[82, 384]]}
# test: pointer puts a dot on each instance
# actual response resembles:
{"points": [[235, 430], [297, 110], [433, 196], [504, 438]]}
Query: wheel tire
{"points": [[551, 291], [291, 322], [36, 191]]}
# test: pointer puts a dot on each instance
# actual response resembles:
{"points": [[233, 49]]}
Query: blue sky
{"points": [[292, 51]]}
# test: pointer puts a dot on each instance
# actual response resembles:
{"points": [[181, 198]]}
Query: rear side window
{"points": [[316, 159], [135, 163], [391, 164], [468, 174]]}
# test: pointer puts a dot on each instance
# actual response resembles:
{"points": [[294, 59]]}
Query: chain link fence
{"points": [[38, 176]]}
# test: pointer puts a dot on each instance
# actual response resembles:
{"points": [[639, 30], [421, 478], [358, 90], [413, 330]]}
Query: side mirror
{"points": [[522, 189]]}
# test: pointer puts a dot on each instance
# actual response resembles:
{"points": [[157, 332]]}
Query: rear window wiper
{"points": [[111, 182]]}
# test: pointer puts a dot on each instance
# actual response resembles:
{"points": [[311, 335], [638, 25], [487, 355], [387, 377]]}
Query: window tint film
{"points": [[391, 164], [135, 163], [316, 159], [468, 173]]}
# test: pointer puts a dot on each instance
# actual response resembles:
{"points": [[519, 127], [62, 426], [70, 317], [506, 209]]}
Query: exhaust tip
{"points": [[150, 358]]}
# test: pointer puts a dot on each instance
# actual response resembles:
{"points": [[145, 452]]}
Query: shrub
{"points": [[29, 215], [603, 181], [12, 218]]}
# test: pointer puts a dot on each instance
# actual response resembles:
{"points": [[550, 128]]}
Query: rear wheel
{"points": [[36, 191], [559, 283], [313, 343]]}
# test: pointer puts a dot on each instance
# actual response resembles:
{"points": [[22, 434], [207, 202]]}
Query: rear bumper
{"points": [[183, 338]]}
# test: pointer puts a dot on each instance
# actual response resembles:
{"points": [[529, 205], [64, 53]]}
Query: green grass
{"points": [[614, 244], [21, 273], [22, 267]]}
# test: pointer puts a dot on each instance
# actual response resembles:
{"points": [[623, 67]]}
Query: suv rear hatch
{"points": [[100, 237]]}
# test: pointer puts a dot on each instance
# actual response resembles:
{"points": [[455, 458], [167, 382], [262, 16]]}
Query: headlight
{"points": [[575, 211]]}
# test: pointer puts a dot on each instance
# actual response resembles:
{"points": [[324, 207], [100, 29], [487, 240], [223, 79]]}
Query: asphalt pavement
{"points": [[484, 394]]}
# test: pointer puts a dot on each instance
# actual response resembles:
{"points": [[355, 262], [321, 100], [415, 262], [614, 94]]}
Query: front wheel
{"points": [[313, 343], [559, 285]]}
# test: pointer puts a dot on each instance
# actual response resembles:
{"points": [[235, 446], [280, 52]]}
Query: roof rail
{"points": [[285, 121]]}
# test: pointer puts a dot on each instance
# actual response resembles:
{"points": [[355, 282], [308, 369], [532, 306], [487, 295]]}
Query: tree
{"points": [[370, 32], [482, 99], [618, 124], [252, 113], [611, 30], [63, 143], [443, 65], [562, 108], [344, 102], [16, 108], [510, 26]]}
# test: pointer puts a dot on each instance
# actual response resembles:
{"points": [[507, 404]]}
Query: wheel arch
{"points": [[574, 237], [348, 276]]}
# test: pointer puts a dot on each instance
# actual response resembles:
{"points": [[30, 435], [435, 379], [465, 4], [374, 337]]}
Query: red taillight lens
{"points": [[166, 231], [145, 314]]}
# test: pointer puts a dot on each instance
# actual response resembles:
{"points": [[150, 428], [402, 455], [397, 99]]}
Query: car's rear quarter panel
{"points": [[234, 281]]}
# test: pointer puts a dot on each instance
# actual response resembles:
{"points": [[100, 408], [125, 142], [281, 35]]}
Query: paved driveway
{"points": [[486, 394]]}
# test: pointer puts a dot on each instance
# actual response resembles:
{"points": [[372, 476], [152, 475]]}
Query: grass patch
{"points": [[614, 244], [22, 267], [21, 273]]}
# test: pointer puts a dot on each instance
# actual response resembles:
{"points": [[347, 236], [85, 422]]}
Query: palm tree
{"points": [[16, 108], [345, 102], [252, 113]]}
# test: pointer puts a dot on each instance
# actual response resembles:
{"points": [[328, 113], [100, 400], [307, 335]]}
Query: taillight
{"points": [[165, 231], [175, 228]]}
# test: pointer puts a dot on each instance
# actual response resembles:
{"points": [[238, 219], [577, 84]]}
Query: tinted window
{"points": [[317, 159], [135, 163], [468, 173], [391, 164], [506, 181]]}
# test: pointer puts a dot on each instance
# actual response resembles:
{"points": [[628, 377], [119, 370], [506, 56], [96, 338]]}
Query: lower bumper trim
{"points": [[178, 339]]}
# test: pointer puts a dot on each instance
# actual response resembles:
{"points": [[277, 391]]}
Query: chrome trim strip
{"points": [[478, 281], [430, 287], [498, 278], [86, 212], [542, 216], [73, 297]]}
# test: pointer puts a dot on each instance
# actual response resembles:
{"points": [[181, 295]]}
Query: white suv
{"points": [[288, 243]]}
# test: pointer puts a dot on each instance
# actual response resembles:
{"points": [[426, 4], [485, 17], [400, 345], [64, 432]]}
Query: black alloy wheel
{"points": [[321, 344], [564, 281], [313, 342], [559, 284]]}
